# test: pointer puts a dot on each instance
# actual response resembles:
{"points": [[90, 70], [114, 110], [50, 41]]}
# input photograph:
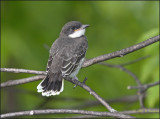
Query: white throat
{"points": [[77, 34]]}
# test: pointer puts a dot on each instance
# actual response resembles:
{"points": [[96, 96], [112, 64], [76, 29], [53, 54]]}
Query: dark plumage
{"points": [[66, 57]]}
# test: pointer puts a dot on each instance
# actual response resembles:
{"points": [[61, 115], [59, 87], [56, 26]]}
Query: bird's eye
{"points": [[74, 28]]}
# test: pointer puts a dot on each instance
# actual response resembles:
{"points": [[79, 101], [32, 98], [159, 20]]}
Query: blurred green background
{"points": [[29, 27]]}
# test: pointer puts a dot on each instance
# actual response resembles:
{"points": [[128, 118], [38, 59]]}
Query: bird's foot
{"points": [[84, 81]]}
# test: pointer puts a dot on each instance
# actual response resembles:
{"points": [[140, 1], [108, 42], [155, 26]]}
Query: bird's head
{"points": [[73, 29]]}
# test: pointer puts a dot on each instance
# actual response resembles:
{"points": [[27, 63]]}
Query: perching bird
{"points": [[67, 55]]}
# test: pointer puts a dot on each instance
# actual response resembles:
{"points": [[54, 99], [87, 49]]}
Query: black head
{"points": [[72, 27]]}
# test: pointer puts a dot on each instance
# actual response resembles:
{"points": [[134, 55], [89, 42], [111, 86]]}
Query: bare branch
{"points": [[122, 52], [145, 86], [134, 61], [14, 70], [140, 92], [63, 111], [142, 111], [123, 69], [81, 84], [21, 81], [17, 82], [84, 86], [83, 112], [139, 111]]}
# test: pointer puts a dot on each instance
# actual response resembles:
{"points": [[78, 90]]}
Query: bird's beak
{"points": [[85, 26]]}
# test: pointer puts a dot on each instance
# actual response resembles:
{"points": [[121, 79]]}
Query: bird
{"points": [[66, 57]]}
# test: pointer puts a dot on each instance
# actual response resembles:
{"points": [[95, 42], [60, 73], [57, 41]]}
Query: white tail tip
{"points": [[50, 92]]}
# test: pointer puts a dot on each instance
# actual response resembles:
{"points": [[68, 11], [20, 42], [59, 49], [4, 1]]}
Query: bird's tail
{"points": [[50, 87]]}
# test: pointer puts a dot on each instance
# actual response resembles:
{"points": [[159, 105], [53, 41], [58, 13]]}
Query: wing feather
{"points": [[72, 65], [67, 58]]}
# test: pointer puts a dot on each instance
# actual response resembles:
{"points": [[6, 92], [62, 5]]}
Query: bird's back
{"points": [[64, 49]]}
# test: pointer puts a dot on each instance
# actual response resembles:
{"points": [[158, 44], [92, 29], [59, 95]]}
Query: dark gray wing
{"points": [[76, 52], [68, 57], [53, 51], [71, 63]]}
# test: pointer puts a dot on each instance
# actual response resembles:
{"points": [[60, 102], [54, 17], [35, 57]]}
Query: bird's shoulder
{"points": [[69, 45]]}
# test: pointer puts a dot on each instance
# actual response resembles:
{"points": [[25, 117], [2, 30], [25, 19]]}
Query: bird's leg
{"points": [[84, 81], [76, 84]]}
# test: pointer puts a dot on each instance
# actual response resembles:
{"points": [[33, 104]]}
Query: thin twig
{"points": [[122, 52], [14, 70], [142, 111], [84, 86], [145, 86], [139, 111], [124, 64], [140, 93], [135, 61], [21, 81], [123, 69]]}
